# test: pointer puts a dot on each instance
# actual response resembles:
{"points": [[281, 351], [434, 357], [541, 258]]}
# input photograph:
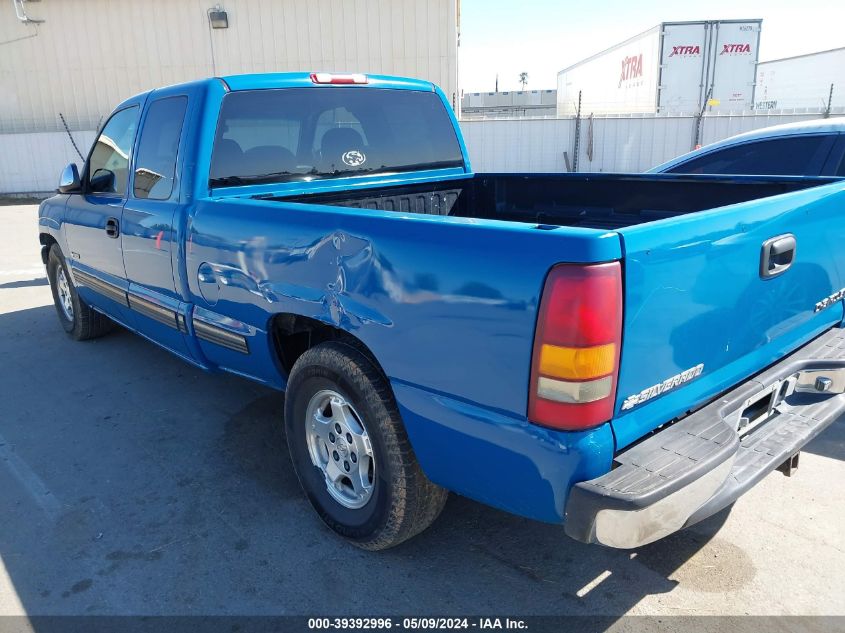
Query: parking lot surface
{"points": [[132, 483]]}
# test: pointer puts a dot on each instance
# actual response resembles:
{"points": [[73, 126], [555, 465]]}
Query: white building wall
{"points": [[89, 55], [32, 162]]}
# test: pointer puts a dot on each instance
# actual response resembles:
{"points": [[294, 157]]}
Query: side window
{"points": [[793, 156], [108, 167], [155, 165]]}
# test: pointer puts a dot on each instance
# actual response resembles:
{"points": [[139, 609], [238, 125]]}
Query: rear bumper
{"points": [[692, 469]]}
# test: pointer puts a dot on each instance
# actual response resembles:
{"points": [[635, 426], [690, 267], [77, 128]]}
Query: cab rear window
{"points": [[297, 134]]}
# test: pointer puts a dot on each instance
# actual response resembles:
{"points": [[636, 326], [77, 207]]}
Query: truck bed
{"points": [[599, 201], [698, 288]]}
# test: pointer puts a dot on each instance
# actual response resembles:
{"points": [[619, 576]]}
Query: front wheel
{"points": [[78, 319], [351, 452]]}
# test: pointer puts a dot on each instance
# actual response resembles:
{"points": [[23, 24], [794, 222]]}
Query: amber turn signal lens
{"points": [[577, 363]]}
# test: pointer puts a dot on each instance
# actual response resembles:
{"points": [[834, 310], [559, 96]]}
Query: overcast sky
{"points": [[542, 37]]}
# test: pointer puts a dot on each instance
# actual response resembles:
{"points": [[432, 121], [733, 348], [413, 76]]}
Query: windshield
{"points": [[296, 134]]}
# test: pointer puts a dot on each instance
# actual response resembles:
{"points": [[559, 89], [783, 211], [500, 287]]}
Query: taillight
{"points": [[576, 347], [331, 78]]}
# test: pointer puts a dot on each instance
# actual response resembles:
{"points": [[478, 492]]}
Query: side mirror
{"points": [[69, 181]]}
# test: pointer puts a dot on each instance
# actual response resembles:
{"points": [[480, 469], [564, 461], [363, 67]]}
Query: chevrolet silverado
{"points": [[621, 354]]}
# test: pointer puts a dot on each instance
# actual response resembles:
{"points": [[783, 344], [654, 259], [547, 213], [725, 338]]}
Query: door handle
{"points": [[112, 228], [777, 255]]}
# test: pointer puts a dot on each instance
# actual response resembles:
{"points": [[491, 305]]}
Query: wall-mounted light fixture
{"points": [[218, 18], [20, 13]]}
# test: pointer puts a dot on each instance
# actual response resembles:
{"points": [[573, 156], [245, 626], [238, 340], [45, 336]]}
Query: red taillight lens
{"points": [[582, 304], [332, 78], [576, 347]]}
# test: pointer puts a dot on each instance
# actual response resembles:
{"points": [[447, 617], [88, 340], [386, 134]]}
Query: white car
{"points": [[806, 148]]}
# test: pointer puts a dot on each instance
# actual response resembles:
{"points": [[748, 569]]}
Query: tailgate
{"points": [[699, 314]]}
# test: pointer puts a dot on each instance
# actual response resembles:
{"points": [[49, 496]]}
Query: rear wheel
{"points": [[351, 452], [78, 319]]}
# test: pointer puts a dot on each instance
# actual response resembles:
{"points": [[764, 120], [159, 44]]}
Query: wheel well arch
{"points": [[293, 334], [47, 241]]}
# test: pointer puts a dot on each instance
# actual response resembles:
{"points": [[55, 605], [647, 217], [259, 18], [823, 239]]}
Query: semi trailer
{"points": [[673, 67]]}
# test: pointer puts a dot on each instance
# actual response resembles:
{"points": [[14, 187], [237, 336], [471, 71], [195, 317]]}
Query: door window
{"points": [[155, 165], [108, 166], [790, 156]]}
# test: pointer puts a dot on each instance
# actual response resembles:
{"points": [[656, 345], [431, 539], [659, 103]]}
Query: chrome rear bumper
{"points": [[697, 466]]}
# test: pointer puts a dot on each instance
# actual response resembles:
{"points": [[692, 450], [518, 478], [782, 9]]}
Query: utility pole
{"points": [[497, 82]]}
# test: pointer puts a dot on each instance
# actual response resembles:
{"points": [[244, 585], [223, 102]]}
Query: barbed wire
{"points": [[474, 114]]}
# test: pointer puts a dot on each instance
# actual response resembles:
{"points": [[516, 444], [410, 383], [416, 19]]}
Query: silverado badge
{"points": [[662, 387], [829, 301]]}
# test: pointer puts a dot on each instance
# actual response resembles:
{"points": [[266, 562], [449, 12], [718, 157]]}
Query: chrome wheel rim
{"points": [[340, 448], [65, 299]]}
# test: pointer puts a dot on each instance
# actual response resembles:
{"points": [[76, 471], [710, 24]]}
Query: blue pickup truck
{"points": [[621, 354]]}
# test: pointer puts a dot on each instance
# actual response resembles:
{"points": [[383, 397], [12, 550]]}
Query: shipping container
{"points": [[803, 81], [671, 68]]}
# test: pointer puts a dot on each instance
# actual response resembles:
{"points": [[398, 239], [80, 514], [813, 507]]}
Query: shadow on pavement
{"points": [[29, 283], [171, 492]]}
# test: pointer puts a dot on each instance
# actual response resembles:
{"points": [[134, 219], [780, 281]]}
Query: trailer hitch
{"points": [[830, 381]]}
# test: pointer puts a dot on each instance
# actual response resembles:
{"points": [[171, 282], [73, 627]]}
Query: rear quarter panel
{"points": [[446, 305]]}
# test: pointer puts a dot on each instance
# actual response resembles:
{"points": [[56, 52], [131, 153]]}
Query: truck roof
{"points": [[303, 79], [258, 81]]}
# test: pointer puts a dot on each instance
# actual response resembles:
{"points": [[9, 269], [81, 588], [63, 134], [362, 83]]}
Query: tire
{"points": [[79, 320], [401, 501]]}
